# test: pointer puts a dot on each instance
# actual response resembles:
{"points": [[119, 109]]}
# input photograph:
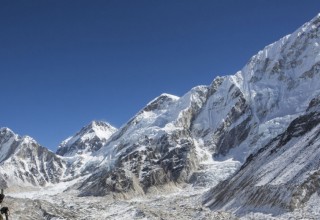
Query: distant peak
{"points": [[164, 96], [169, 96], [28, 139], [6, 130], [90, 138], [158, 102], [96, 127], [99, 124], [94, 124]]}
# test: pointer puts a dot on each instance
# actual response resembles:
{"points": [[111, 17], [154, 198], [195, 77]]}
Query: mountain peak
{"points": [[90, 138], [169, 96], [164, 96], [5, 130], [267, 114], [99, 125], [28, 139], [160, 102], [6, 134]]}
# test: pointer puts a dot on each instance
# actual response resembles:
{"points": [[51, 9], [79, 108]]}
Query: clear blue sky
{"points": [[65, 63]]}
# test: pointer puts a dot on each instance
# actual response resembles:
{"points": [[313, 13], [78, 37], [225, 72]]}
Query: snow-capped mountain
{"points": [[233, 117], [258, 102], [24, 162], [282, 176], [265, 117], [282, 82], [80, 151], [89, 139], [154, 148]]}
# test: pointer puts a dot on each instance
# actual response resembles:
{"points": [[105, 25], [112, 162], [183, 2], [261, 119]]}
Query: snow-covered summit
{"points": [[282, 78], [89, 139], [267, 114], [280, 86], [153, 148], [259, 101], [5, 130], [24, 162], [234, 116]]}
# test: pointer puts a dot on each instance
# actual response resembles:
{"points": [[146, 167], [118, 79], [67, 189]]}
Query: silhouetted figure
{"points": [[3, 210]]}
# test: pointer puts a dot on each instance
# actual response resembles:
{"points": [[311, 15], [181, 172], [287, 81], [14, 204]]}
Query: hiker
{"points": [[3, 210]]}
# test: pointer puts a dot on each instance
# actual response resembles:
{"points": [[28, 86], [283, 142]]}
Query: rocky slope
{"points": [[282, 174], [258, 102], [24, 162], [79, 150], [154, 148], [264, 117], [232, 118]]}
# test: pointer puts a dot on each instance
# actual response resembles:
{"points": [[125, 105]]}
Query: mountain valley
{"points": [[244, 147]]}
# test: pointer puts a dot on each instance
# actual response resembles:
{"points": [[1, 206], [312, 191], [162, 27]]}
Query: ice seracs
{"points": [[264, 119], [282, 89], [281, 177], [233, 118]]}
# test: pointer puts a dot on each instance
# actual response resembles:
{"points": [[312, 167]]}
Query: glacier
{"points": [[243, 147]]}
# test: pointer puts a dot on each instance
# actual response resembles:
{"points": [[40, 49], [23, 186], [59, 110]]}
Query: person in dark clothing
{"points": [[3, 210], [1, 197]]}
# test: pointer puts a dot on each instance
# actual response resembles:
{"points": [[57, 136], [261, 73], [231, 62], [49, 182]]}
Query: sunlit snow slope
{"points": [[265, 118], [282, 82], [230, 119]]}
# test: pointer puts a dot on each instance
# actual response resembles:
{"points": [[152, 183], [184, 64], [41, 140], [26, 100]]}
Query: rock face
{"points": [[234, 117], [25, 162], [281, 176], [258, 102], [154, 148], [226, 119], [282, 173], [265, 117]]}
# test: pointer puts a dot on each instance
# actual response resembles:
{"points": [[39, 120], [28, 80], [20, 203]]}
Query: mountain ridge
{"points": [[250, 120]]}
